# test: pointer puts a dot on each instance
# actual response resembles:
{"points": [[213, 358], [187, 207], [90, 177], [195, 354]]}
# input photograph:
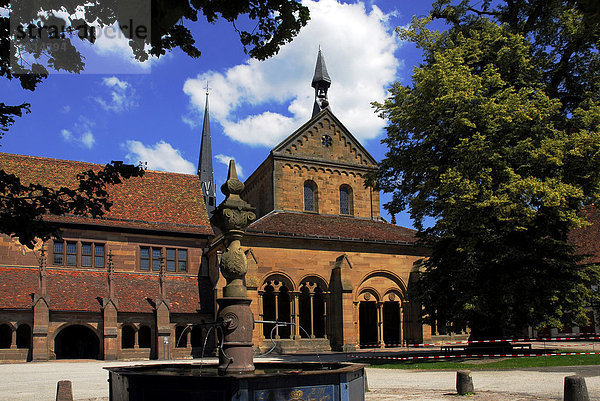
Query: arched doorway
{"points": [[312, 308], [392, 321], [368, 322], [76, 342]]}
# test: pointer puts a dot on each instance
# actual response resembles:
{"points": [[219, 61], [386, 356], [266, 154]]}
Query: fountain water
{"points": [[237, 377]]}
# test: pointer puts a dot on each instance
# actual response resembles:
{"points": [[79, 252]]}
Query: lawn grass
{"points": [[508, 363]]}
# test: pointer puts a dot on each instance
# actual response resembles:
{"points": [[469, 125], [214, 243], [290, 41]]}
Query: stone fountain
{"points": [[237, 377]]}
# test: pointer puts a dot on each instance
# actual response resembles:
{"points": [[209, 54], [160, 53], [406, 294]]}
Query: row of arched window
{"points": [[311, 198], [22, 337], [305, 309], [144, 336]]}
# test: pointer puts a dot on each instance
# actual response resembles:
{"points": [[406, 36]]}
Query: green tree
{"points": [[497, 140], [23, 205]]}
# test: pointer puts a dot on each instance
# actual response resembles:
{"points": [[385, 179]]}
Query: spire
{"points": [[321, 83], [110, 276], [205, 168], [42, 274]]}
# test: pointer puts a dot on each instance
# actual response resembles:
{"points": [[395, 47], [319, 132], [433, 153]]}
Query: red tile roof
{"points": [[587, 239], [78, 290], [321, 226], [157, 201]]}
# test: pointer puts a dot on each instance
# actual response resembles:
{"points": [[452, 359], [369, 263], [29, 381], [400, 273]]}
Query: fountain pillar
{"points": [[232, 217]]}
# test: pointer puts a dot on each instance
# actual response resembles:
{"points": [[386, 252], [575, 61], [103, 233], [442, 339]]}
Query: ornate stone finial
{"points": [[110, 276], [42, 273], [161, 279], [232, 217]]}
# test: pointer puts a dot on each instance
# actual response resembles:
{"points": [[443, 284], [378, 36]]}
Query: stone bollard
{"points": [[64, 391], [575, 389], [464, 382]]}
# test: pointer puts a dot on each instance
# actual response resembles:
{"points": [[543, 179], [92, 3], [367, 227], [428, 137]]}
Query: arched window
{"points": [[127, 337], [5, 336], [180, 337], [276, 303], [346, 201], [144, 337], [24, 336], [312, 313], [310, 196]]}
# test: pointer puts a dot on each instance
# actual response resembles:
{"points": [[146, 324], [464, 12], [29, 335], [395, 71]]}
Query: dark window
{"points": [[156, 254], [71, 253], [346, 200], [24, 336], [86, 255], [5, 336], [176, 259], [98, 255], [145, 258], [171, 260], [180, 337], [127, 337], [182, 259], [310, 195], [58, 253], [197, 339], [144, 337], [67, 252]]}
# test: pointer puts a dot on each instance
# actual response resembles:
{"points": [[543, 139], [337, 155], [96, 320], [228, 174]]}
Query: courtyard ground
{"points": [[37, 381]]}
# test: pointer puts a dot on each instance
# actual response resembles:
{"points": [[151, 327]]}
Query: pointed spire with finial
{"points": [[321, 83], [43, 274], [205, 167], [161, 279], [110, 276]]}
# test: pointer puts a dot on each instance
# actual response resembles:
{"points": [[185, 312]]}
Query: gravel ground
{"points": [[37, 381]]}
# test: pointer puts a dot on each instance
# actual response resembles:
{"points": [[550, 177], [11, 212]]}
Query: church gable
{"points": [[324, 138]]}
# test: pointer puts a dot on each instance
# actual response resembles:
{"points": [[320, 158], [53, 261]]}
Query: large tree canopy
{"points": [[498, 141], [31, 47]]}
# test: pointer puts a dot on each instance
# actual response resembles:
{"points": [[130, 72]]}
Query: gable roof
{"points": [[157, 201], [320, 226], [78, 290], [325, 113]]}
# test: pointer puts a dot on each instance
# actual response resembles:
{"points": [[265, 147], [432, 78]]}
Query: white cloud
{"points": [[67, 135], [162, 156], [358, 47], [88, 140], [224, 159], [66, 109], [121, 95]]}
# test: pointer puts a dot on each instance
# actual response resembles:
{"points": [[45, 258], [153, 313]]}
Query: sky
{"points": [[120, 109]]}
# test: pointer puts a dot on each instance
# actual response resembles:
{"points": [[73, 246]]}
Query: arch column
{"points": [[261, 315], [312, 314], [325, 319], [136, 339], [13, 339], [296, 315], [276, 293], [380, 341]]}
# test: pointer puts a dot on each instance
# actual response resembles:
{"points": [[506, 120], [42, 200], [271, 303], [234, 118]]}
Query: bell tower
{"points": [[321, 83]]}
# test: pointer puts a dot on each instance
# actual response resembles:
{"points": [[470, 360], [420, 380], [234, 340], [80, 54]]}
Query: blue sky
{"points": [[122, 110]]}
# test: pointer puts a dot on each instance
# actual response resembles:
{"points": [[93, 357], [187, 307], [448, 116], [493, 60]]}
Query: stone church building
{"points": [[141, 282]]}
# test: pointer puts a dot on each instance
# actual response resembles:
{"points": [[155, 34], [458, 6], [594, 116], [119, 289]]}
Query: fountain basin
{"points": [[272, 381]]}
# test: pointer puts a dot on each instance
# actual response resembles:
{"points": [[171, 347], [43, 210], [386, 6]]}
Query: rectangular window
{"points": [[58, 253], [171, 260], [86, 255], [156, 254], [175, 259], [98, 255], [182, 259], [71, 253], [144, 258]]}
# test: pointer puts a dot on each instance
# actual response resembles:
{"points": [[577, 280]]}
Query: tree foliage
{"points": [[498, 140]]}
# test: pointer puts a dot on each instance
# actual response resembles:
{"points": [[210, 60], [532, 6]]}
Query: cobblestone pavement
{"points": [[37, 381]]}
